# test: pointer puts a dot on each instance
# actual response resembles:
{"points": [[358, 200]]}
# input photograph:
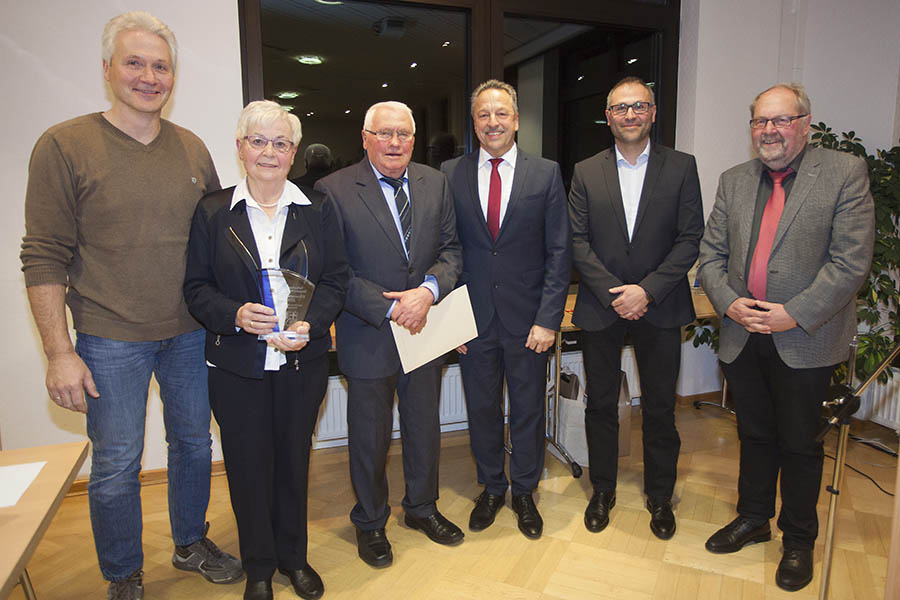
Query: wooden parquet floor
{"points": [[624, 562]]}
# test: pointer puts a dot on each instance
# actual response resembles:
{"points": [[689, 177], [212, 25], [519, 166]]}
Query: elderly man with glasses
{"points": [[786, 248], [399, 230]]}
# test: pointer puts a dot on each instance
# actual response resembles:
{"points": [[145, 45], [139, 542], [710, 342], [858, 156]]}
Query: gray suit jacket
{"points": [[820, 256], [365, 344]]}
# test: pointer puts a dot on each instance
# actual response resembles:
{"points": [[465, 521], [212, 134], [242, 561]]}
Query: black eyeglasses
{"points": [[782, 122], [386, 135], [639, 108], [258, 142]]}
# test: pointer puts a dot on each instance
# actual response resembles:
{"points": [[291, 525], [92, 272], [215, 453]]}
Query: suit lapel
{"points": [[806, 176], [471, 175], [418, 191], [613, 190], [744, 206], [520, 176], [240, 237], [373, 198], [655, 165]]}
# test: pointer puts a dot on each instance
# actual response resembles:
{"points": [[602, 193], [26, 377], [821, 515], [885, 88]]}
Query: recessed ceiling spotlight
{"points": [[287, 95], [347, 112], [580, 77], [413, 65], [329, 2], [384, 85], [309, 114], [445, 44], [287, 107], [309, 59], [631, 61], [600, 122]]}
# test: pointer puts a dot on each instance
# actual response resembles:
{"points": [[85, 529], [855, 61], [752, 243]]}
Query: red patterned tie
{"points": [[493, 215], [756, 282]]}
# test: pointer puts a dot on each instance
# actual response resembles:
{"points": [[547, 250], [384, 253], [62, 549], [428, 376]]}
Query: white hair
{"points": [[137, 20], [265, 113], [392, 104]]}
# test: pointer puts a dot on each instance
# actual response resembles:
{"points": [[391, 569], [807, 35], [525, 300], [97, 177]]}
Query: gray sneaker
{"points": [[204, 557], [130, 588]]}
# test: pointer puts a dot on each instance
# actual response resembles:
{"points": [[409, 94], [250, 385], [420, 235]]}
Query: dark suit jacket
{"points": [[523, 275], [221, 276], [820, 255], [365, 343], [662, 249]]}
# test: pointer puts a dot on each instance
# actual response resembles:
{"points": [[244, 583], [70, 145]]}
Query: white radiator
{"points": [[881, 403], [332, 427]]}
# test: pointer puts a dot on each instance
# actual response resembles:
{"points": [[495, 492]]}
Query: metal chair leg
{"points": [[25, 580]]}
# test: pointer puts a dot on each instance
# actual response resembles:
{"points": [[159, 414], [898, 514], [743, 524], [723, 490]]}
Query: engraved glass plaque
{"points": [[289, 294]]}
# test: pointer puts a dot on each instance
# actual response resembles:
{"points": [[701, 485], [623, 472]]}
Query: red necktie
{"points": [[756, 282], [493, 215]]}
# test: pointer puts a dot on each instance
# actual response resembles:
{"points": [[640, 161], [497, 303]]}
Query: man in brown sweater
{"points": [[107, 214]]}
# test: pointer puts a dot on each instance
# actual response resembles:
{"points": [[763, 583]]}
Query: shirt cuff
{"points": [[432, 285]]}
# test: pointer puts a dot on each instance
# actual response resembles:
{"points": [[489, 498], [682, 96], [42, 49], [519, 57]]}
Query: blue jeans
{"points": [[115, 425]]}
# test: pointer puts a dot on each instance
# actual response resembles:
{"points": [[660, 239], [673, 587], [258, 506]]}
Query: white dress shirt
{"points": [[507, 169], [631, 183], [268, 234]]}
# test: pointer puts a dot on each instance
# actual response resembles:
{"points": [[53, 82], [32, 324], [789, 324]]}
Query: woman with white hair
{"points": [[267, 377]]}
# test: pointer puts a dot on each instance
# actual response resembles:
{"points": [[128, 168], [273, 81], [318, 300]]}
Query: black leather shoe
{"points": [[258, 590], [737, 534], [662, 519], [486, 508], [530, 522], [307, 583], [437, 527], [596, 515], [373, 547], [795, 570]]}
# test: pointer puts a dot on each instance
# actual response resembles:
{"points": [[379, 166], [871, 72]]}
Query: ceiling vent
{"points": [[390, 27]]}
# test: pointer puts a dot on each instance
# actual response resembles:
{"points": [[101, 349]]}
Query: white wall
{"points": [[52, 71], [847, 54]]}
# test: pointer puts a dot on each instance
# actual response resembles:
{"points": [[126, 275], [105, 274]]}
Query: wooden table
{"points": [[703, 309], [23, 525]]}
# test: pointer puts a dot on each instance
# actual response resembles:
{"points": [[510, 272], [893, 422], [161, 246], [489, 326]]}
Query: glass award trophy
{"points": [[288, 293]]}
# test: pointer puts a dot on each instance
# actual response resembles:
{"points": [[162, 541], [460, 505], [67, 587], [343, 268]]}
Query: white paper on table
{"points": [[15, 479], [450, 324]]}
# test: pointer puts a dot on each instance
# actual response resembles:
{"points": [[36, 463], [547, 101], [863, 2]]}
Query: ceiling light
{"points": [[287, 95], [287, 107], [580, 77], [445, 44], [329, 2], [347, 112], [631, 61], [600, 122], [309, 59], [413, 65], [384, 85]]}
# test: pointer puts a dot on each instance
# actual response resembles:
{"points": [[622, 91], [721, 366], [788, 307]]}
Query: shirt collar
{"points": [[642, 158], [509, 157], [291, 194], [379, 174]]}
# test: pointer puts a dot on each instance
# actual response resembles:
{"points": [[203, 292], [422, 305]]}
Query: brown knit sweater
{"points": [[109, 217]]}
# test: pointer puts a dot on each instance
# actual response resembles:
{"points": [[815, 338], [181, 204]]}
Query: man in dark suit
{"points": [[787, 246], [400, 235], [637, 219], [514, 230]]}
